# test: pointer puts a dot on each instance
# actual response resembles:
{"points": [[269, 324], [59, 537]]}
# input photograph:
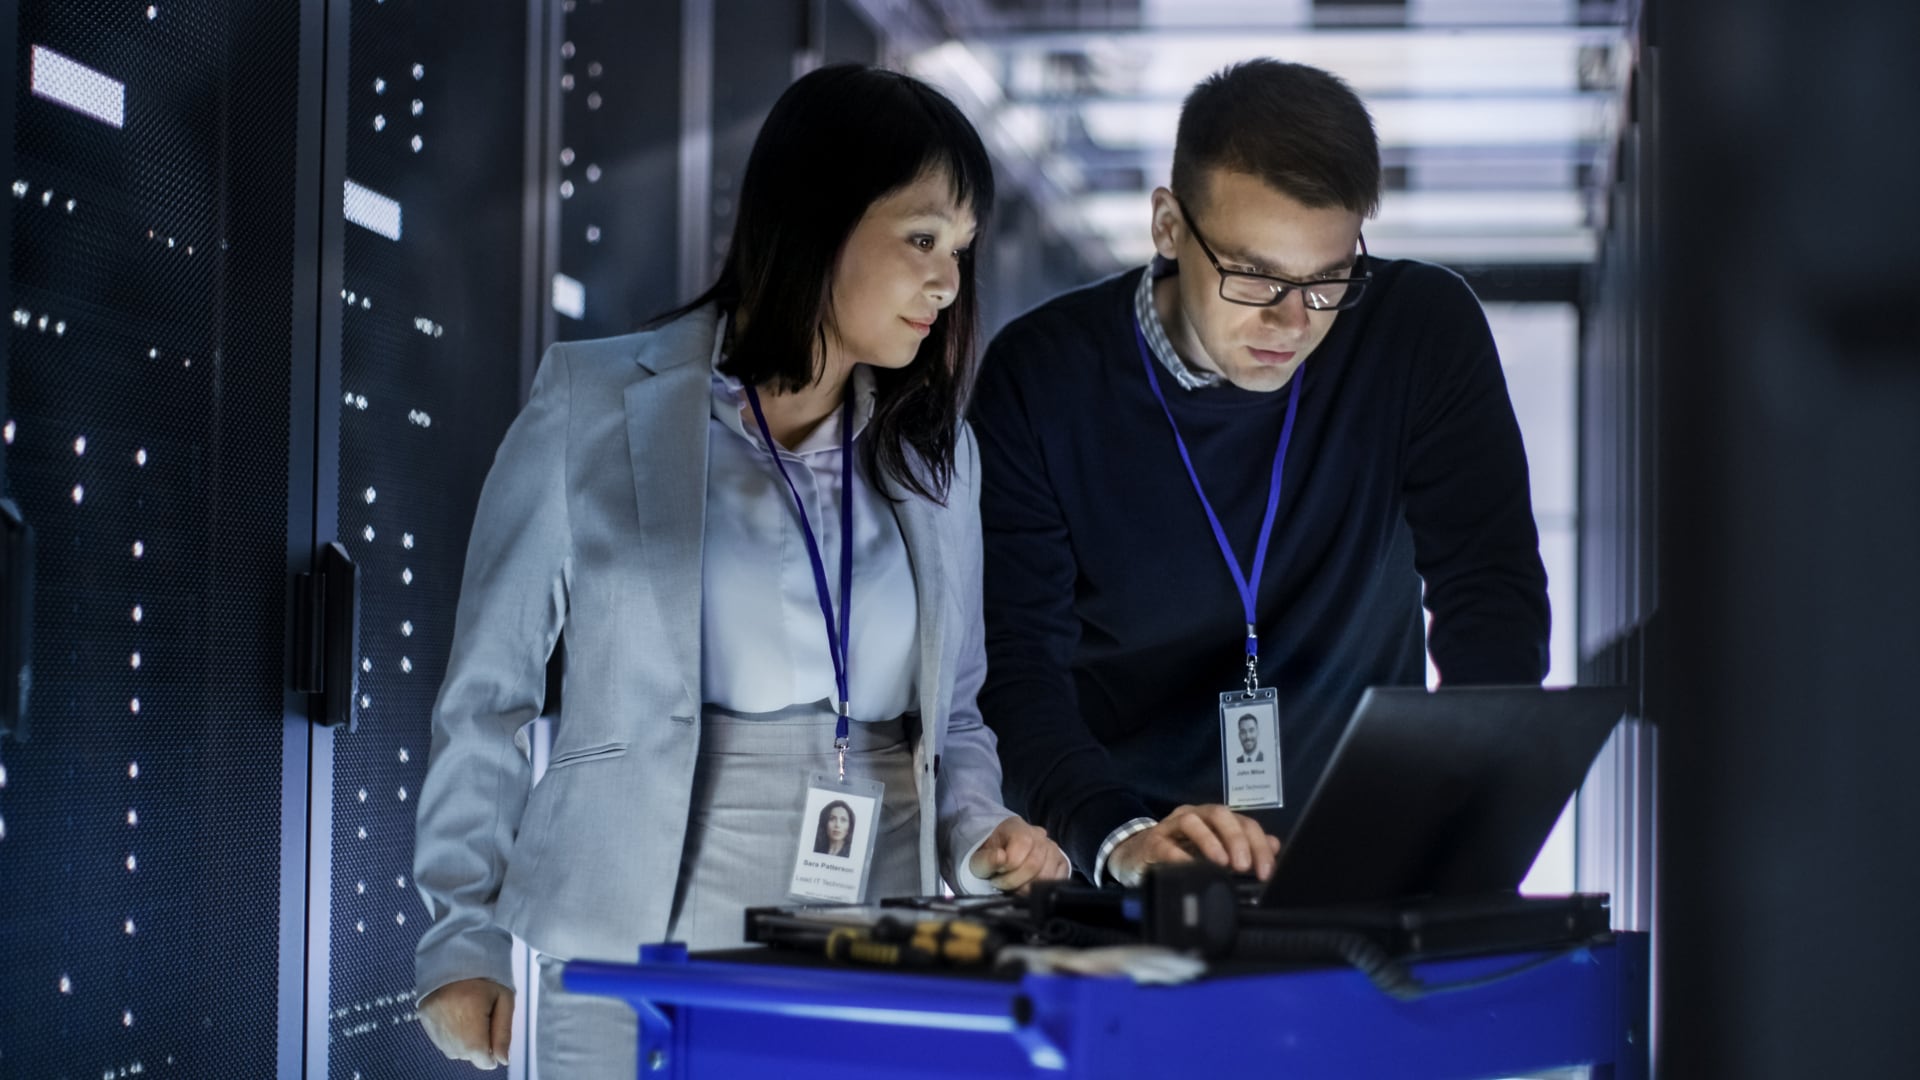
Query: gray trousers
{"points": [[742, 830]]}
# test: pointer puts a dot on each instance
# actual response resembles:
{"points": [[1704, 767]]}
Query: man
{"points": [[1222, 483], [1249, 741]]}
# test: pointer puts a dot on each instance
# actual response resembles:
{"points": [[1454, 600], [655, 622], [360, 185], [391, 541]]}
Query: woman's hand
{"points": [[1017, 854], [471, 1021]]}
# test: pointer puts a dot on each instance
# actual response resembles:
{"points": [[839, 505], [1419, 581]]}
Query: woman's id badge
{"points": [[839, 823], [1250, 749]]}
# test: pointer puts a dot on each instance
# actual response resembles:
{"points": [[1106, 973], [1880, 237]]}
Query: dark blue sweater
{"points": [[1112, 621]]}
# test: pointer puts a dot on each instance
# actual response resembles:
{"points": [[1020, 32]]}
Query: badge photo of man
{"points": [[1250, 751]]}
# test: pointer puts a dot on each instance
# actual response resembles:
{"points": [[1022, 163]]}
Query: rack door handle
{"points": [[326, 647], [16, 621]]}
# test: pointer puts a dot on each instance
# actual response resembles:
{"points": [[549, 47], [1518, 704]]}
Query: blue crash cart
{"points": [[735, 1018]]}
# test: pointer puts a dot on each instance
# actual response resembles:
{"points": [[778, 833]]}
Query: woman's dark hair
{"points": [[1301, 130], [838, 140], [822, 843]]}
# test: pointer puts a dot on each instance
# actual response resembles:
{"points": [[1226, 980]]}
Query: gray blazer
{"points": [[592, 519]]}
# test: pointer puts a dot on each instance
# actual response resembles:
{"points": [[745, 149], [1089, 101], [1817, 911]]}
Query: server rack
{"points": [[428, 144], [153, 364]]}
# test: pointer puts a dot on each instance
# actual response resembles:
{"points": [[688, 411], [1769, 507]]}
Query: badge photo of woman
{"points": [[834, 836], [670, 499]]}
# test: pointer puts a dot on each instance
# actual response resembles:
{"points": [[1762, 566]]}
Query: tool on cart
{"points": [[897, 935], [895, 942]]}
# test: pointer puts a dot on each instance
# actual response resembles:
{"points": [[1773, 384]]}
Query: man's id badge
{"points": [[839, 823], [1250, 749]]}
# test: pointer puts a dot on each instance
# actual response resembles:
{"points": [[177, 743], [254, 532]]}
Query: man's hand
{"points": [[1213, 832], [471, 1021], [1016, 855]]}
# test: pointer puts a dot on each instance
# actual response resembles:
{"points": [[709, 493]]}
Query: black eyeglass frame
{"points": [[1356, 286]]}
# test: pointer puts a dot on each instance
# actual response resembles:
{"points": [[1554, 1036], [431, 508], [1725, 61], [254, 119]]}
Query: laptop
{"points": [[1447, 794]]}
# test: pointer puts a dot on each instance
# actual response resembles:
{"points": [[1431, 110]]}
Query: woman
{"points": [[755, 607], [834, 835]]}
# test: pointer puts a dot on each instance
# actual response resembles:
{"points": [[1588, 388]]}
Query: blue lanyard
{"points": [[837, 637], [1247, 584]]}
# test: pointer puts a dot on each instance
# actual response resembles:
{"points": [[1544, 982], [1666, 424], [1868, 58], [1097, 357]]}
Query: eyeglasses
{"points": [[1264, 290]]}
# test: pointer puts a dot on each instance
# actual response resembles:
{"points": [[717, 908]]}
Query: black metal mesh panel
{"points": [[150, 324], [430, 380], [619, 165]]}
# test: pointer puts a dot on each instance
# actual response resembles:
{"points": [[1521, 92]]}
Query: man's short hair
{"points": [[1244, 717], [1301, 130]]}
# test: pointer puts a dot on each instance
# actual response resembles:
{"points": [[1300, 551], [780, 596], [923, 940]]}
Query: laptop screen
{"points": [[1443, 793]]}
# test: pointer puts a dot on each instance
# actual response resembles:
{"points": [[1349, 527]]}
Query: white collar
{"points": [[730, 398]]}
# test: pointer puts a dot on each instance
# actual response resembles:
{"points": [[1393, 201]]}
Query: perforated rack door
{"points": [[151, 206], [616, 172], [435, 296]]}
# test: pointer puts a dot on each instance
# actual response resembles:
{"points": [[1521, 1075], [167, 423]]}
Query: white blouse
{"points": [[763, 639]]}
